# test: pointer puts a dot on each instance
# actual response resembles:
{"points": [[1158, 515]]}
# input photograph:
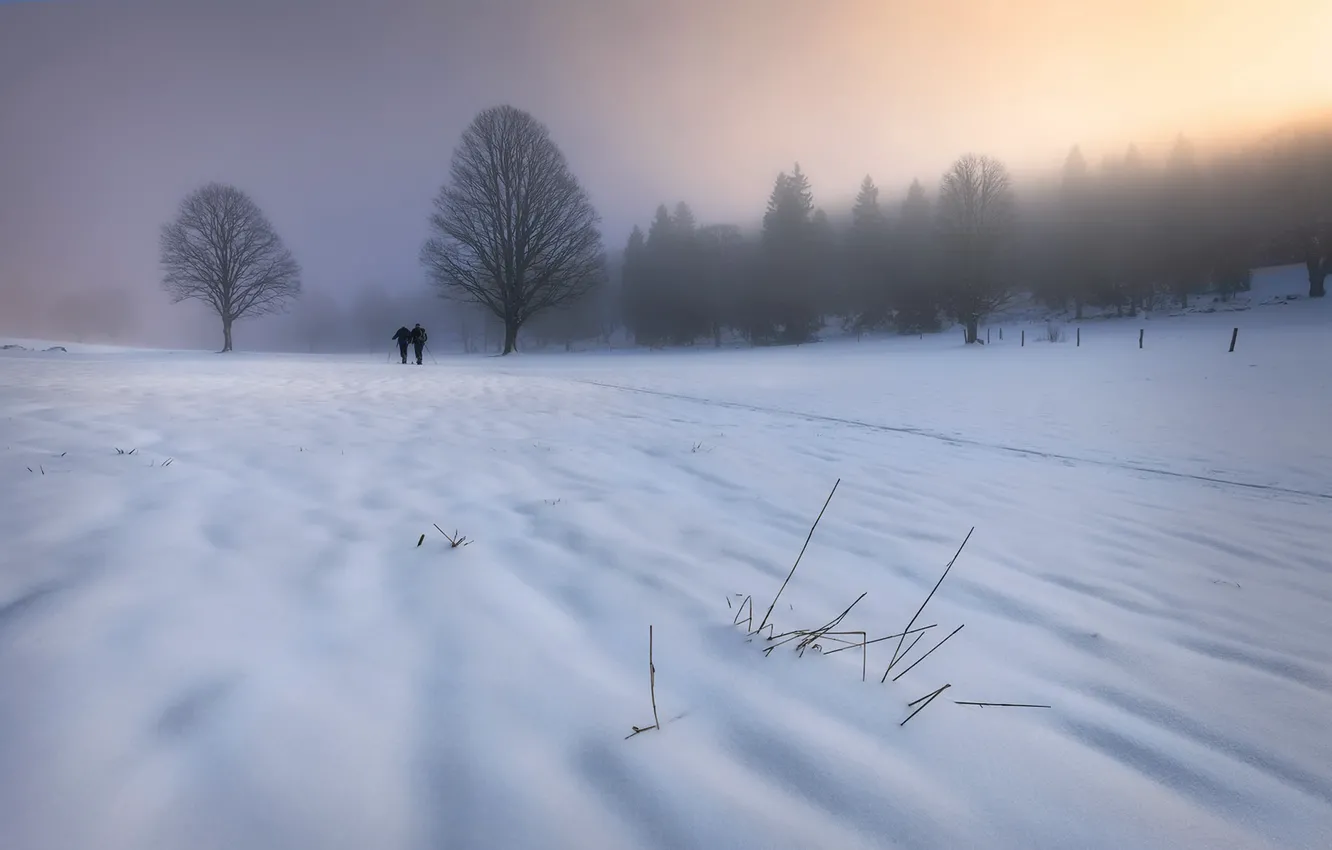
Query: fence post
{"points": [[1141, 331], [1079, 343], [987, 336], [1234, 335], [1024, 337], [1001, 334]]}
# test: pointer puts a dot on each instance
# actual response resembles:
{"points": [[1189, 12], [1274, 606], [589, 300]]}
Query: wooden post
{"points": [[1001, 334], [1079, 343], [1234, 335], [1141, 331], [964, 336], [1024, 338], [987, 336]]}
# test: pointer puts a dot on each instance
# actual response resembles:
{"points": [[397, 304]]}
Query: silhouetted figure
{"points": [[419, 338], [402, 337]]}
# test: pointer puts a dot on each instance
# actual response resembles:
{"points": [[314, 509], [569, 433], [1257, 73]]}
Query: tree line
{"points": [[515, 238], [1125, 235]]}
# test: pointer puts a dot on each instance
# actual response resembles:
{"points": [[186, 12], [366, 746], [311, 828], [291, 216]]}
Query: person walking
{"points": [[419, 338], [402, 337]]}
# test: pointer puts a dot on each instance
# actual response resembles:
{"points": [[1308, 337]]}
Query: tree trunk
{"points": [[226, 334], [972, 330], [510, 336], [1318, 270]]}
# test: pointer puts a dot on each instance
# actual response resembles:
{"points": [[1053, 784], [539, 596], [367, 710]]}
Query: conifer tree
{"points": [[916, 300], [786, 307], [634, 283], [868, 293]]}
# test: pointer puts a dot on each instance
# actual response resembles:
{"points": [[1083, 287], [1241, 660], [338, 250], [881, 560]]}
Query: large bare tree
{"points": [[512, 230], [222, 250], [976, 212]]}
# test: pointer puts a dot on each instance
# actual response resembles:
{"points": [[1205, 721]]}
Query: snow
{"points": [[245, 647]]}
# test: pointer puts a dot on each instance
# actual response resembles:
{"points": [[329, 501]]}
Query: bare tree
{"points": [[222, 250], [976, 213], [513, 229]]}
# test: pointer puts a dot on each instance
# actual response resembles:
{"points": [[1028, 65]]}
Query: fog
{"points": [[339, 118]]}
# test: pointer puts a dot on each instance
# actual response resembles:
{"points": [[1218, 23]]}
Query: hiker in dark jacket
{"points": [[402, 337], [419, 338]]}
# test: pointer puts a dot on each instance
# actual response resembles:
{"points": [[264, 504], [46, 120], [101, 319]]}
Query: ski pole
{"points": [[431, 353]]}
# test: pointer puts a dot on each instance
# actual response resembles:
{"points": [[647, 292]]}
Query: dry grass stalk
{"points": [[652, 687], [910, 647], [927, 654], [814, 635], [455, 539], [809, 537], [887, 637], [924, 701], [862, 643], [749, 620], [897, 652]]}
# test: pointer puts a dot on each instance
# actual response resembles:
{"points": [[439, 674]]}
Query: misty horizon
{"points": [[339, 119]]}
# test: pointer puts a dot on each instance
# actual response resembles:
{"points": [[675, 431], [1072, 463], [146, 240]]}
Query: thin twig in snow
{"points": [[749, 621], [652, 686], [863, 644], [907, 652], [896, 656], [886, 637], [809, 537], [814, 635], [924, 701], [1001, 704], [455, 540], [927, 654]]}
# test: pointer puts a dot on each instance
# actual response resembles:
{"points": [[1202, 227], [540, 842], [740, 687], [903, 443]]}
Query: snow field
{"points": [[246, 647]]}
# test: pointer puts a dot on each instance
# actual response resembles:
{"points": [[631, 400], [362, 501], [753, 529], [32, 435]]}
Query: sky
{"points": [[339, 117]]}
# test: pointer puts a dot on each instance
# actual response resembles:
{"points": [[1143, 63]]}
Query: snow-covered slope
{"points": [[227, 636]]}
